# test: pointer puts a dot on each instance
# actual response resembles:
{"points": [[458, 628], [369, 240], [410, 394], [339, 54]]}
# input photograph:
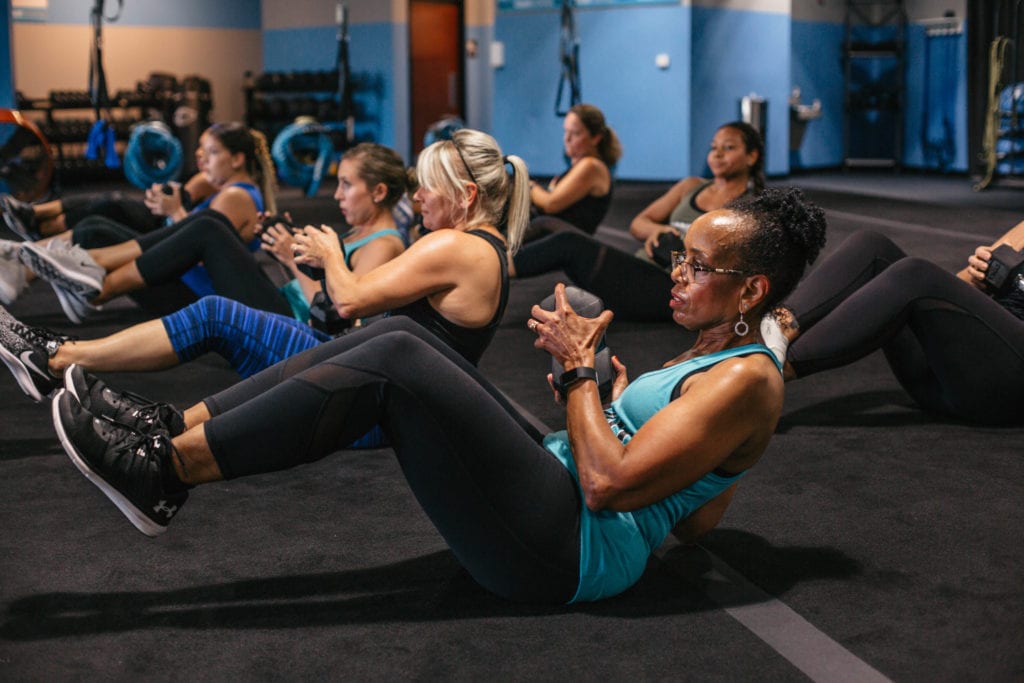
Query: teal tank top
{"points": [[292, 290], [615, 546]]}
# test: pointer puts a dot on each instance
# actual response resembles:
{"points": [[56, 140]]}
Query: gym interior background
{"points": [[665, 73]]}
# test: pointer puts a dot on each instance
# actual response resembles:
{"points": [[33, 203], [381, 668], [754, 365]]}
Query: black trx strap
{"points": [[346, 107], [98, 95], [102, 137], [569, 54]]}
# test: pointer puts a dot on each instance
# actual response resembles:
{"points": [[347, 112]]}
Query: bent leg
{"points": [[952, 348], [250, 340], [230, 265], [506, 506], [860, 258]]}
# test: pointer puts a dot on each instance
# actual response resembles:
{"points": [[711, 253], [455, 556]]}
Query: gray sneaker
{"points": [[19, 217], [73, 274], [12, 273]]}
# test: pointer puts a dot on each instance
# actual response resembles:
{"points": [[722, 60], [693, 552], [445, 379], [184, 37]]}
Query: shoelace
{"points": [[40, 336]]}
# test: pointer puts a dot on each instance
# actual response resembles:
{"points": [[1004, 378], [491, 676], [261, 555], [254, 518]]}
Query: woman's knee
{"points": [[874, 243]]}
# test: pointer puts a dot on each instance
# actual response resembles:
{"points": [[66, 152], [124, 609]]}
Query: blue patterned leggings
{"points": [[250, 340]]}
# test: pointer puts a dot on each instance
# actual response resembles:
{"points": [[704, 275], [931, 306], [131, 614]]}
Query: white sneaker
{"points": [[12, 273], [73, 274]]}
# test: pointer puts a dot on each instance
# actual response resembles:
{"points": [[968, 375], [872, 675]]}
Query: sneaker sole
{"points": [[16, 227], [53, 272], [21, 374], [138, 518], [75, 309]]}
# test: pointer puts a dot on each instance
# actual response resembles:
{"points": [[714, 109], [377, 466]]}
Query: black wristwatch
{"points": [[570, 377]]}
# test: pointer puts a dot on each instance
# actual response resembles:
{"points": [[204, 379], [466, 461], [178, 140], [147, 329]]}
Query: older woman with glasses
{"points": [[570, 516]]}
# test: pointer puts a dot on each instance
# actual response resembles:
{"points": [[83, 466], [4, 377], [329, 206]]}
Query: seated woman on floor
{"points": [[580, 197], [233, 159], [954, 343], [569, 517], [61, 216], [629, 285]]}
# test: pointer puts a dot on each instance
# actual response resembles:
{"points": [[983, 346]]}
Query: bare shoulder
{"points": [[753, 378]]}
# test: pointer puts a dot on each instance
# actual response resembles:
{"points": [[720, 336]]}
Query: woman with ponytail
{"points": [[163, 269]]}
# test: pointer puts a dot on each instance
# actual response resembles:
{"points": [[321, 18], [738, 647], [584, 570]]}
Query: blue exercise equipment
{"points": [[153, 155], [303, 152]]}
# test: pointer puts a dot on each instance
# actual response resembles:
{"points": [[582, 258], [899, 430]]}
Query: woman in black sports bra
{"points": [[580, 197]]}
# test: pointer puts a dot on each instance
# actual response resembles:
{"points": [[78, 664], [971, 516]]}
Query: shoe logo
{"points": [[162, 507], [26, 359]]}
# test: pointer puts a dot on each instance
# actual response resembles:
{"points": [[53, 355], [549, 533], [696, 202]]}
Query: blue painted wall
{"points": [[6, 52], [735, 54], [648, 107], [817, 69]]}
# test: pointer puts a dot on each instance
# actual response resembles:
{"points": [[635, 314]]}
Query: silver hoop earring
{"points": [[741, 328]]}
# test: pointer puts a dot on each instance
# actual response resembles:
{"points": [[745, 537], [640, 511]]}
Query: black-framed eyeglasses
{"points": [[691, 268]]}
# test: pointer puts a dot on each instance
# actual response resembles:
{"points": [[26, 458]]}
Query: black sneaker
{"points": [[26, 351], [130, 468], [19, 217], [123, 407]]}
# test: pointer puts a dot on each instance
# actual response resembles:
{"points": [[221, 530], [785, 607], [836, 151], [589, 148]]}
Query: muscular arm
{"points": [[588, 176], [653, 220], [725, 416]]}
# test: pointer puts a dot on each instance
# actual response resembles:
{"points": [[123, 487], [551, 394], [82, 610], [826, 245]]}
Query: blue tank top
{"points": [[615, 546], [196, 277]]}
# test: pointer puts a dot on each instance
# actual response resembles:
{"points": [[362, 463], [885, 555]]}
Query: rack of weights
{"points": [[275, 99], [66, 118]]}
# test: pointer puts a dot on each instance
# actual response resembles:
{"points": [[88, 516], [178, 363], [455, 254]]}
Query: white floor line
{"points": [[797, 640]]}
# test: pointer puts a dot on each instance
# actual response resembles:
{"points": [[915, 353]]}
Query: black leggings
{"points": [[951, 347], [129, 212], [506, 507], [207, 237], [631, 287]]}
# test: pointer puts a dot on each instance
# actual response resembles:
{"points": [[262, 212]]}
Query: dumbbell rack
{"points": [[68, 135], [275, 99]]}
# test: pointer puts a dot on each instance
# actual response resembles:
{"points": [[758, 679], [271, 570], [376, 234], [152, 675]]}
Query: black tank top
{"points": [[469, 342], [587, 213]]}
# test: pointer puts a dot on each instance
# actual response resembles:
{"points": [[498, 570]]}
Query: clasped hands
{"points": [[572, 339]]}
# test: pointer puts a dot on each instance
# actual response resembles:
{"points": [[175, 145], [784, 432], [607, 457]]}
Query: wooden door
{"points": [[436, 70]]}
